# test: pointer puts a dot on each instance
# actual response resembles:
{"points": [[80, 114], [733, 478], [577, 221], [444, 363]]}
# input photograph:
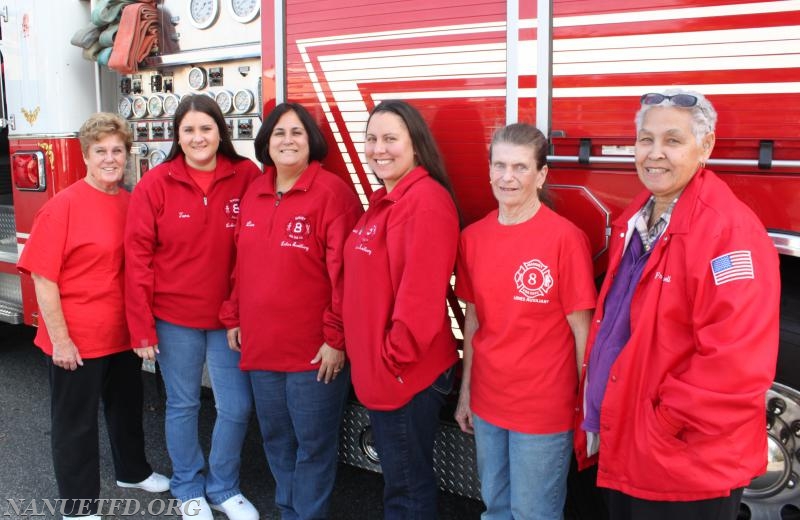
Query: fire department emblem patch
{"points": [[533, 279], [366, 234], [232, 209], [298, 227]]}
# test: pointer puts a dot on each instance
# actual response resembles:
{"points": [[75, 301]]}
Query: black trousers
{"points": [[74, 402], [626, 507]]}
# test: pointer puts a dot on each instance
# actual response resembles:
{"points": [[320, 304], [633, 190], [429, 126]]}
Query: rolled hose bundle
{"points": [[109, 42], [137, 33]]}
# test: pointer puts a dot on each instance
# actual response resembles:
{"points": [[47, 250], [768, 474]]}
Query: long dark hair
{"points": [[206, 105], [425, 149], [317, 146]]}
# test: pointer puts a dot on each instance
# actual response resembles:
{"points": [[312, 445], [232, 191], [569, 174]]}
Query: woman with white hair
{"points": [[684, 339]]}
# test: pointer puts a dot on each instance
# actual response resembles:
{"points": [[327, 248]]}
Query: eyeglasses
{"points": [[680, 100]]}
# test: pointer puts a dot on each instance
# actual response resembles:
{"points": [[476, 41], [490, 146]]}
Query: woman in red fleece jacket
{"points": [[179, 254], [398, 262], [285, 309]]}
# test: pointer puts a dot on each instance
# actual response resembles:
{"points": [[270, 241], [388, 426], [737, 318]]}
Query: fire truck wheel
{"points": [[776, 494]]}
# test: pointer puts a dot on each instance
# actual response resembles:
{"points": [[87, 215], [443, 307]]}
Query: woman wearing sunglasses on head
{"points": [[684, 339]]}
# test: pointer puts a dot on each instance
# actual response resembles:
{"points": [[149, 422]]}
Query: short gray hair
{"points": [[704, 117]]}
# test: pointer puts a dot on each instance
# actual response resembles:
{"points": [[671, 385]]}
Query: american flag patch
{"points": [[736, 265]]}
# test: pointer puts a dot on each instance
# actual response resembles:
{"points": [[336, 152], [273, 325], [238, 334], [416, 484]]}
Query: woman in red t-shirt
{"points": [[526, 275], [74, 255]]}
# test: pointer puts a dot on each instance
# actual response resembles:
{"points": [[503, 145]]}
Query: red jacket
{"points": [[179, 248], [684, 409], [287, 291], [397, 267]]}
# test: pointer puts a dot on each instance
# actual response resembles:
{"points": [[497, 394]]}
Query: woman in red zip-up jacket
{"points": [[179, 254], [284, 313], [684, 340], [398, 262]]}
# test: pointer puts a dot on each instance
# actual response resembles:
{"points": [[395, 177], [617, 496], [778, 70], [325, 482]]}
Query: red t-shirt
{"points": [[524, 280], [202, 178], [76, 241]]}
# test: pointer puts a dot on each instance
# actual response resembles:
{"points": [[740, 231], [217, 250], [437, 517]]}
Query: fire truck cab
{"points": [[574, 68]]}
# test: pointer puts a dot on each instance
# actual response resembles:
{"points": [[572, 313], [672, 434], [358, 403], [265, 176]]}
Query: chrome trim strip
{"points": [[11, 258], [544, 65], [280, 51], [597, 203], [786, 243], [512, 57], [233, 52], [621, 159], [42, 136]]}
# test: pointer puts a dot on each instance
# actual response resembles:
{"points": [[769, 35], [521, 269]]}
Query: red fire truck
{"points": [[574, 67]]}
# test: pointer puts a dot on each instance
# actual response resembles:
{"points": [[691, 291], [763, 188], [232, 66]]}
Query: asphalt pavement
{"points": [[26, 470]]}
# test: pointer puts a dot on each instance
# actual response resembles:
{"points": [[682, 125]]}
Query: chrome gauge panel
{"points": [[156, 157], [191, 25], [125, 107], [155, 105], [243, 11], [203, 13], [150, 108], [139, 107], [198, 78], [171, 102], [224, 100], [243, 101]]}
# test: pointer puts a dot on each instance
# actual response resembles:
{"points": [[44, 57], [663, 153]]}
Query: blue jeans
{"points": [[523, 476], [183, 351], [299, 419], [404, 440]]}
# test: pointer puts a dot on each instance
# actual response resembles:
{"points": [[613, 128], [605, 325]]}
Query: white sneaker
{"points": [[237, 508], [196, 509], [155, 483]]}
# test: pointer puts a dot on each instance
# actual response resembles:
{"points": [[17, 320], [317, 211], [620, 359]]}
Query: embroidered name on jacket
{"points": [[533, 280]]}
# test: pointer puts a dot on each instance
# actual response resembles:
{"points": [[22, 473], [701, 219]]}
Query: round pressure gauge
{"points": [[155, 158], [243, 10], [139, 107], [124, 108], [243, 101], [202, 13], [155, 105], [198, 78], [171, 103], [225, 101]]}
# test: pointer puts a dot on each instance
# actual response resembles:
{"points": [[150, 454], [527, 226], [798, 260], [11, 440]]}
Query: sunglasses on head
{"points": [[680, 100]]}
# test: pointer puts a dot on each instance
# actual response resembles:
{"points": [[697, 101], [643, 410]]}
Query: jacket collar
{"points": [[178, 170], [684, 209], [402, 186], [302, 184]]}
